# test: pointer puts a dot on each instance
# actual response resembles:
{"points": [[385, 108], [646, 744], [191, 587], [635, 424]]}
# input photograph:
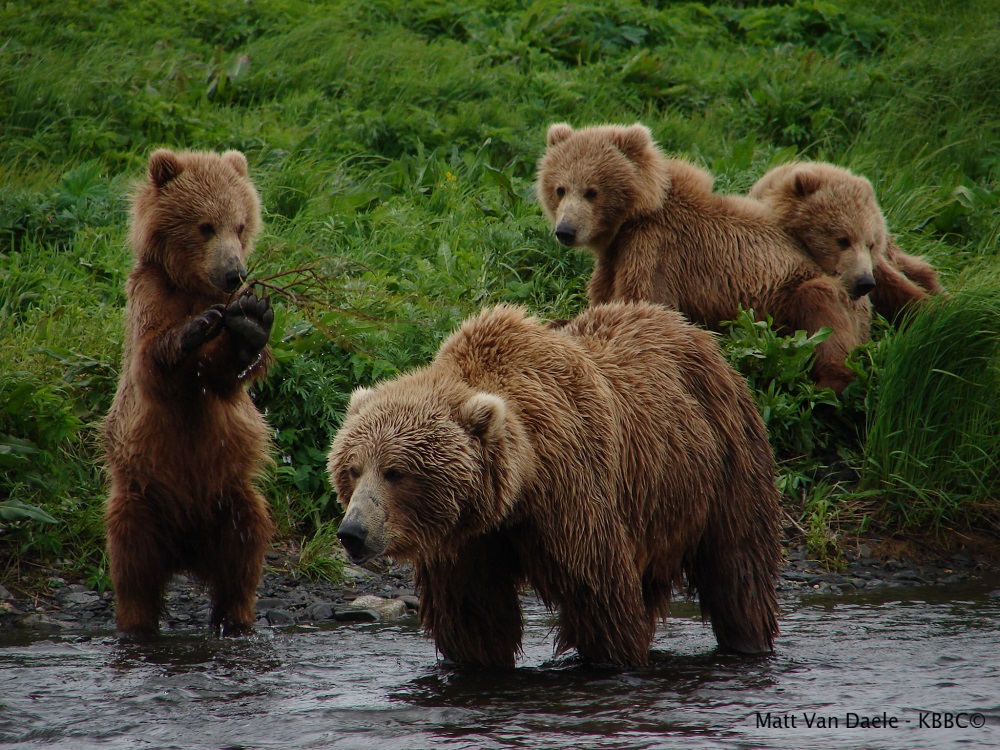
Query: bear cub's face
{"points": [[587, 180], [408, 468], [197, 216], [834, 216]]}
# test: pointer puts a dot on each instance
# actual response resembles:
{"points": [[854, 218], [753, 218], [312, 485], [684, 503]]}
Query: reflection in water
{"points": [[881, 655]]}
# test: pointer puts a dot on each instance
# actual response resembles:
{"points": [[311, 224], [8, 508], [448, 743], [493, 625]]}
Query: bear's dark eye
{"points": [[239, 230], [206, 229], [590, 194], [560, 191], [844, 242], [354, 472], [393, 475]]}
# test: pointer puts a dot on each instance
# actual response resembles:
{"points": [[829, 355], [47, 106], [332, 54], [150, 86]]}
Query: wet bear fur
{"points": [[602, 462], [183, 440]]}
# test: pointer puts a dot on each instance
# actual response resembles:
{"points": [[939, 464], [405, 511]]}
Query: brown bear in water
{"points": [[603, 462], [184, 442], [659, 233]]}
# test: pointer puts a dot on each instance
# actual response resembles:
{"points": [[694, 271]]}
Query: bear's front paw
{"points": [[204, 328], [250, 318]]}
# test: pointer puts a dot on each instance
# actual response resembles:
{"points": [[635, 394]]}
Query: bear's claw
{"points": [[202, 329]]}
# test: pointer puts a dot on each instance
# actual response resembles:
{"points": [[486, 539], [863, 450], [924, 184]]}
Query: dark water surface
{"points": [[925, 661]]}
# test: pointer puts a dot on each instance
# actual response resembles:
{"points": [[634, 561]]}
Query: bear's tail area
{"points": [[739, 557]]}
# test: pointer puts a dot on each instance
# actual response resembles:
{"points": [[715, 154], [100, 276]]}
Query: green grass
{"points": [[933, 445], [394, 145]]}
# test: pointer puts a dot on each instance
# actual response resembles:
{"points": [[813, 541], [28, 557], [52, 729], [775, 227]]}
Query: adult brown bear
{"points": [[603, 462]]}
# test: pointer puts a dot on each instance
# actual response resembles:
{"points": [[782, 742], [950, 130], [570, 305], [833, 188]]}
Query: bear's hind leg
{"points": [[733, 572], [234, 569]]}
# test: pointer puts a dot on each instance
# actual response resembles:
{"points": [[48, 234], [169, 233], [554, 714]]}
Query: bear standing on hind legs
{"points": [[183, 440]]}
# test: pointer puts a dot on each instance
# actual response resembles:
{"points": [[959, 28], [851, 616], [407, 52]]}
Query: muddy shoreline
{"points": [[385, 590]]}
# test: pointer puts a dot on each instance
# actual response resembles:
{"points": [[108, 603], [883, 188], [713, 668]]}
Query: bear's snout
{"points": [[228, 273], [566, 233], [234, 273], [353, 536], [863, 285]]}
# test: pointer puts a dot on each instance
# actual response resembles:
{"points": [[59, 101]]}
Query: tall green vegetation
{"points": [[933, 445], [394, 144]]}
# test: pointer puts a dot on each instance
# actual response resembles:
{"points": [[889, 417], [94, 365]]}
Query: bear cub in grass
{"points": [[833, 213], [184, 442], [603, 462], [659, 233]]}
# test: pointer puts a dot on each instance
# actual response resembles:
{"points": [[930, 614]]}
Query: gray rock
{"points": [[909, 575], [387, 609], [796, 576], [279, 617], [354, 573], [319, 611], [355, 615], [269, 602], [82, 599], [44, 623]]}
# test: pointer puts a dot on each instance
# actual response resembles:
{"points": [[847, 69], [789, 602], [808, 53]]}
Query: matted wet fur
{"points": [[183, 440], [603, 462]]}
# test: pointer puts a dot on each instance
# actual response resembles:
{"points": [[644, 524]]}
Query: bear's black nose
{"points": [[566, 234], [235, 277], [863, 285], [353, 535]]}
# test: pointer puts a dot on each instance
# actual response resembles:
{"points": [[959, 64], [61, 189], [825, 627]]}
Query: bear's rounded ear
{"points": [[359, 397], [633, 141], [484, 415], [558, 133], [237, 161], [806, 182], [164, 166]]}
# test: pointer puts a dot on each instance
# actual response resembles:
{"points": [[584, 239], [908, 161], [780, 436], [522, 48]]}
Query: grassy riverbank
{"points": [[394, 145]]}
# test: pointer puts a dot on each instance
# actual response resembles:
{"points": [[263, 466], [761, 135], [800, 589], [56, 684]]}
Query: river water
{"points": [[894, 668]]}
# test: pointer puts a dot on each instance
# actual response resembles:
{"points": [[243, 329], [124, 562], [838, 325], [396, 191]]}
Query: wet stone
{"points": [[796, 576], [908, 575], [318, 612], [279, 617], [355, 615], [270, 602], [387, 609], [82, 599]]}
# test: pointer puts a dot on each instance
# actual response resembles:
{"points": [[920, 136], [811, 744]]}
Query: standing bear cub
{"points": [[659, 233], [183, 440], [603, 462]]}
